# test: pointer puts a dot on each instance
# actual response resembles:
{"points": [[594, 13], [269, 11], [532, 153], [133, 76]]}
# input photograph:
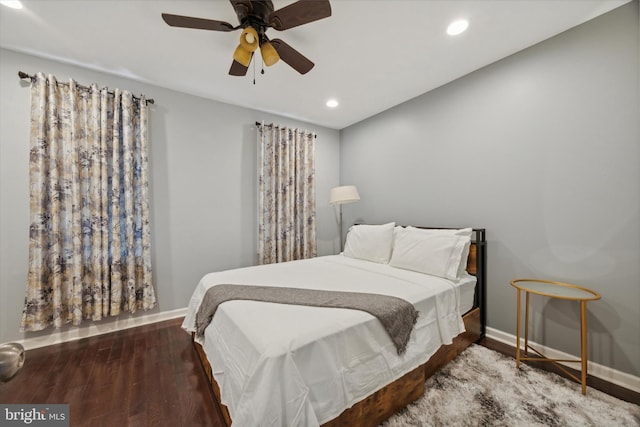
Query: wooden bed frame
{"points": [[374, 409]]}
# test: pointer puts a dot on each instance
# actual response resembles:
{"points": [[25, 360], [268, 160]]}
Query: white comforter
{"points": [[286, 365]]}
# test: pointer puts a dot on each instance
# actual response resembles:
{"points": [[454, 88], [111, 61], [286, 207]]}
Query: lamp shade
{"points": [[249, 39], [269, 54], [344, 194], [242, 56]]}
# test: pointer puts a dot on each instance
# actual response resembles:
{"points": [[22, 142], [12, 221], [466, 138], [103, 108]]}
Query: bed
{"points": [[282, 364]]}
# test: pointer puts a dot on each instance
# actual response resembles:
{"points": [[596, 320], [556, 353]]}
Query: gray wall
{"points": [[203, 184], [543, 150]]}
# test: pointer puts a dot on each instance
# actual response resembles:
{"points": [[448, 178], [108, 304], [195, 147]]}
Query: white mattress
{"points": [[287, 365]]}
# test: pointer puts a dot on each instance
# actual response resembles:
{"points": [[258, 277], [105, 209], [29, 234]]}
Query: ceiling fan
{"points": [[255, 17]]}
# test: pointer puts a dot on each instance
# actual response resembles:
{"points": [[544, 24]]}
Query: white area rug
{"points": [[482, 387]]}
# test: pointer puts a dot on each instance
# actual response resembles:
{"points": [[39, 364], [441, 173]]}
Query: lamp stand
{"points": [[339, 196], [341, 235]]}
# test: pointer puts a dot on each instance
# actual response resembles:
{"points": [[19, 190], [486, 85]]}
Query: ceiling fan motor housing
{"points": [[254, 14]]}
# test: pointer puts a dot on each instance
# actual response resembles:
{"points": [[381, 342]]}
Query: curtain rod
{"points": [[24, 75], [271, 124]]}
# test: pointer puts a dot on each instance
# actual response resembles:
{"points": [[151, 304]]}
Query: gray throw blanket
{"points": [[396, 315]]}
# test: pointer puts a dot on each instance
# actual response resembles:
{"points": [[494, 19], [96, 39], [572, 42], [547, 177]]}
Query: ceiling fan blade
{"points": [[295, 59], [237, 69], [298, 13], [196, 23]]}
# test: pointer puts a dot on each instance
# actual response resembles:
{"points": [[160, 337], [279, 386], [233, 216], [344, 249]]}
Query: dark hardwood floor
{"points": [[144, 376]]}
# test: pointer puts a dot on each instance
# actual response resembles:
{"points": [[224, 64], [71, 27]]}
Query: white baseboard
{"points": [[611, 375], [93, 329]]}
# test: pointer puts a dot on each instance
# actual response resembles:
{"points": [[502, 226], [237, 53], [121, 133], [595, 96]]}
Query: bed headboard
{"points": [[477, 265]]}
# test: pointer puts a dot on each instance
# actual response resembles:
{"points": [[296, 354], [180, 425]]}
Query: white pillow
{"points": [[370, 242], [465, 232], [438, 254]]}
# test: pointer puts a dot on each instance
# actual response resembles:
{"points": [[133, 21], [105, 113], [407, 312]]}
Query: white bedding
{"points": [[286, 365]]}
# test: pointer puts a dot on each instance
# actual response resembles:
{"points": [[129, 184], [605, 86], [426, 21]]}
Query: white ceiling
{"points": [[370, 54]]}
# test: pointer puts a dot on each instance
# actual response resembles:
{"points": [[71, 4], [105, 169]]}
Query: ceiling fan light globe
{"points": [[249, 39], [242, 56], [269, 54]]}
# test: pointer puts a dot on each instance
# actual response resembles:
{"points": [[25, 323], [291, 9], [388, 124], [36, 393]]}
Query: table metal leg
{"points": [[583, 343], [518, 330], [526, 325]]}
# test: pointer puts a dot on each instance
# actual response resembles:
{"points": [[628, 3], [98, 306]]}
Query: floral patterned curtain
{"points": [[89, 240], [286, 194]]}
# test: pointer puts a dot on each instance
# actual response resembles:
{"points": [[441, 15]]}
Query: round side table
{"points": [[559, 290]]}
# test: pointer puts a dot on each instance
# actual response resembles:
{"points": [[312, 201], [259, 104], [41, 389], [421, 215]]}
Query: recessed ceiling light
{"points": [[457, 27], [14, 4], [332, 103]]}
